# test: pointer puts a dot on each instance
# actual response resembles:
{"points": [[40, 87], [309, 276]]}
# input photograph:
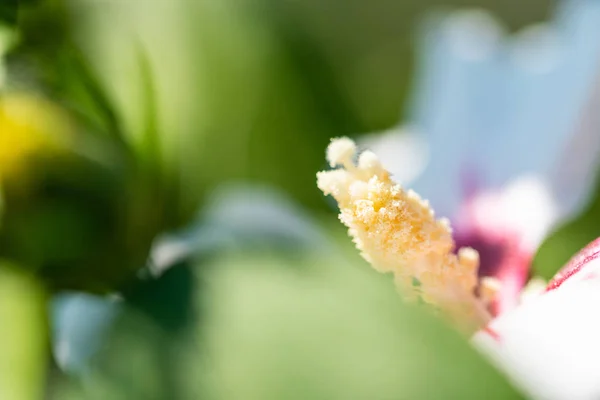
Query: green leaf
{"points": [[332, 331], [8, 11], [566, 241], [167, 299], [6, 40], [23, 336], [89, 96], [329, 330]]}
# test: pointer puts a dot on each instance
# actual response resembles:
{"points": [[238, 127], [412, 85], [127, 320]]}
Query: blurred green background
{"points": [[171, 101], [245, 79]]}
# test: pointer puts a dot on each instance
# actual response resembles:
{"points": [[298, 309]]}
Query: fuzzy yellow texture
{"points": [[396, 231]]}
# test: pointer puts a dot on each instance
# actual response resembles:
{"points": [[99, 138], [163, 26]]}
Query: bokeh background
{"points": [[169, 241]]}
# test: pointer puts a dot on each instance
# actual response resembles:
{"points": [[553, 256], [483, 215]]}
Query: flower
{"points": [[80, 323], [492, 130], [396, 231], [502, 138], [549, 345]]}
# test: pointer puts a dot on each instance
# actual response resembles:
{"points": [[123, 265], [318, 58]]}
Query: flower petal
{"points": [[549, 345], [580, 267], [80, 323], [580, 25], [454, 100]]}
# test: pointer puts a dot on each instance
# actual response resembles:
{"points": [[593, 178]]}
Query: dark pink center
{"points": [[502, 257], [493, 251]]}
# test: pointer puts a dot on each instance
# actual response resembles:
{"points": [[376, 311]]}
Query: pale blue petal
{"points": [[80, 323], [455, 101], [547, 103], [492, 111], [524, 140], [572, 174], [242, 216]]}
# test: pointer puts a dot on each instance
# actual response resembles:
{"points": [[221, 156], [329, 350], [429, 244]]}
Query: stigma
{"points": [[397, 232]]}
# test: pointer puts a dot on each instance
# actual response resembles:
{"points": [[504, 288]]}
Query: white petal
{"points": [[524, 207], [530, 209], [550, 346]]}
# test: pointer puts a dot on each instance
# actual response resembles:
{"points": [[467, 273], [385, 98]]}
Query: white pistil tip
{"points": [[340, 152], [369, 163]]}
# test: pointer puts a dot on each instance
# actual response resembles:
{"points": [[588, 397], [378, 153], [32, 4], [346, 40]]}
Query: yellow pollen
{"points": [[396, 232]]}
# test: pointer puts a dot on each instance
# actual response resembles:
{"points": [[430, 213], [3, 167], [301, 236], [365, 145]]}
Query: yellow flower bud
{"points": [[29, 127]]}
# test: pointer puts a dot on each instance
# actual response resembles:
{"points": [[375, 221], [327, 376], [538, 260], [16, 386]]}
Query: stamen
{"points": [[396, 231], [488, 289]]}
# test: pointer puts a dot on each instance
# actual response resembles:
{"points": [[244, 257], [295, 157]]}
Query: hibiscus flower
{"points": [[491, 132], [547, 345]]}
